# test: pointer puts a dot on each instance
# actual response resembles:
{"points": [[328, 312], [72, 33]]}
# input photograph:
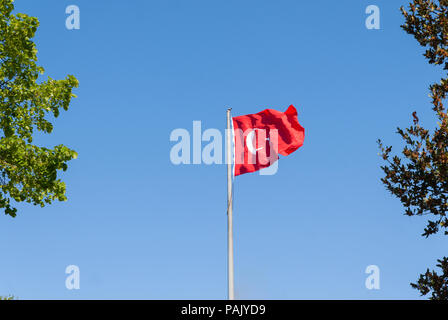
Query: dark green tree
{"points": [[419, 177], [431, 282], [28, 172]]}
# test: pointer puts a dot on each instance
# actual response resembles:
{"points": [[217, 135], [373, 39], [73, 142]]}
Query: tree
{"points": [[432, 282], [419, 178], [28, 172]]}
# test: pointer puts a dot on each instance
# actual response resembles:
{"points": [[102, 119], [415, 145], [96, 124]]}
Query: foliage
{"points": [[28, 172], [420, 177], [432, 282]]}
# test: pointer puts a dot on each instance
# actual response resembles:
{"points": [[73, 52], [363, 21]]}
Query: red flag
{"points": [[260, 137]]}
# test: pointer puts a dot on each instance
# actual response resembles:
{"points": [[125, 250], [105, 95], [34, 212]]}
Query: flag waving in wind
{"points": [[259, 138]]}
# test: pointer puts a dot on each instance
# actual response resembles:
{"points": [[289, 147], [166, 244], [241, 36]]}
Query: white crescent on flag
{"points": [[249, 142]]}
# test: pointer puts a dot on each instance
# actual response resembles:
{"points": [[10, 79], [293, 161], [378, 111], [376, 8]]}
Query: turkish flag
{"points": [[259, 138]]}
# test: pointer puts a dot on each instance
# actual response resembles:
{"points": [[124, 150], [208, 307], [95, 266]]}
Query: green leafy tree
{"points": [[28, 172], [419, 177]]}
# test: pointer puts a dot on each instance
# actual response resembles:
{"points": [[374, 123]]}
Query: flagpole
{"points": [[231, 293]]}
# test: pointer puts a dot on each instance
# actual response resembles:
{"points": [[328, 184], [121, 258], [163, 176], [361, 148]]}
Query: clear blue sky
{"points": [[140, 227]]}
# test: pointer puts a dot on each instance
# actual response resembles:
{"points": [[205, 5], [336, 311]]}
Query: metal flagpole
{"points": [[229, 211]]}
